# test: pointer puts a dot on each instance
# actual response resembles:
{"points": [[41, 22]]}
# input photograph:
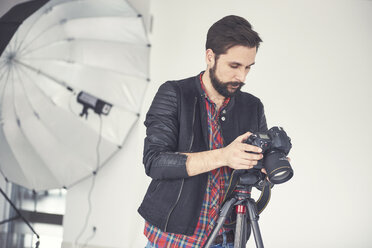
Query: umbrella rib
{"points": [[27, 96], [30, 103], [17, 49], [2, 68], [3, 92], [45, 95], [1, 118], [62, 22], [18, 121], [2, 173], [37, 86], [60, 82], [41, 119], [145, 44], [35, 21], [13, 91], [35, 38], [23, 133], [46, 10], [32, 25], [2, 96], [90, 66], [68, 86]]}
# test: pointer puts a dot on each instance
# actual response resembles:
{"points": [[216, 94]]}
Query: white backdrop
{"points": [[313, 75]]}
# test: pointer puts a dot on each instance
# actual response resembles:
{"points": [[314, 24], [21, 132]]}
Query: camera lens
{"points": [[277, 167], [281, 177]]}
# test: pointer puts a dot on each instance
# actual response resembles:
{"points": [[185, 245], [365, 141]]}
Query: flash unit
{"points": [[91, 102]]}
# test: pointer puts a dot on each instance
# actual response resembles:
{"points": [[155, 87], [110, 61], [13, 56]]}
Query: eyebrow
{"points": [[239, 64]]}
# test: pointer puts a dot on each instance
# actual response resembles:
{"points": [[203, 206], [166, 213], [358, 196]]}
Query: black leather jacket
{"points": [[177, 122]]}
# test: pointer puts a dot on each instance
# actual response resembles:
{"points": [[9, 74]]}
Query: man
{"points": [[195, 133]]}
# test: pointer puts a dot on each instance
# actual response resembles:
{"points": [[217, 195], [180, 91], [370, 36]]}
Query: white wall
{"points": [[312, 73], [6, 5], [116, 195]]}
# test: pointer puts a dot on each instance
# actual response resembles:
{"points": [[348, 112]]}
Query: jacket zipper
{"points": [[183, 180]]}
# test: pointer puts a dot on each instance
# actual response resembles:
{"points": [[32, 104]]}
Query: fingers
{"points": [[250, 148], [243, 164], [244, 160], [243, 137], [251, 156], [239, 155]]}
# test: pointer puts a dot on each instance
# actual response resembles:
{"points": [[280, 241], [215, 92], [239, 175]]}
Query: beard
{"points": [[221, 87]]}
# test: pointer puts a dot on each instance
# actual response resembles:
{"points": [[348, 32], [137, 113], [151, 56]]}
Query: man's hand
{"points": [[238, 155]]}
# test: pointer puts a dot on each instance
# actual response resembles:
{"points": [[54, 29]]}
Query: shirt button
{"points": [[224, 111], [223, 118]]}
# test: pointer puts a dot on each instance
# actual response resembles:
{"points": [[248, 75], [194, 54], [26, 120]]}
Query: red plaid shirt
{"points": [[218, 180]]}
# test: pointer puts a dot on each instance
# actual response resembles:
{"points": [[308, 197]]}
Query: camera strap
{"points": [[264, 197]]}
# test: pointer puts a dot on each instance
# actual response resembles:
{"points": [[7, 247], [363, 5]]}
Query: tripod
{"points": [[246, 210]]}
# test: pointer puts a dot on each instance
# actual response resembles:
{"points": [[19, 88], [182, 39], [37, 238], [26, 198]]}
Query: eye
{"points": [[234, 66]]}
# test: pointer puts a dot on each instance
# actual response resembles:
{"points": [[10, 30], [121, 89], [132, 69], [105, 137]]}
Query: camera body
{"points": [[275, 145]]}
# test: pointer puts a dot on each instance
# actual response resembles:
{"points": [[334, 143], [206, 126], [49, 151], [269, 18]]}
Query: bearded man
{"points": [[196, 128]]}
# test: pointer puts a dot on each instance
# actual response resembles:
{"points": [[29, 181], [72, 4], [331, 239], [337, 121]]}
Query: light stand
{"points": [[19, 215]]}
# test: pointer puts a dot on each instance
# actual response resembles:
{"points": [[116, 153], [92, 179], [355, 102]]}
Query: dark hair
{"points": [[231, 31]]}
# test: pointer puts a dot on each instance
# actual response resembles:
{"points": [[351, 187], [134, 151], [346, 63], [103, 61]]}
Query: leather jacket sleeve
{"points": [[160, 156]]}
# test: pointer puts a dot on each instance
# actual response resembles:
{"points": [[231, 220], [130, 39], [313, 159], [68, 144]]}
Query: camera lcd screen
{"points": [[263, 136]]}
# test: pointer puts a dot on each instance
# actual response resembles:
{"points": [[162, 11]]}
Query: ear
{"points": [[209, 58]]}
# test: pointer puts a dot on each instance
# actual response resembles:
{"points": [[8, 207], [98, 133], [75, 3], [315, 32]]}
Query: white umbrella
{"points": [[72, 80]]}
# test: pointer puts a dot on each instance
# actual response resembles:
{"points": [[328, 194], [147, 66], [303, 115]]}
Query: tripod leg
{"points": [[247, 228], [224, 213], [253, 217], [239, 240], [19, 213]]}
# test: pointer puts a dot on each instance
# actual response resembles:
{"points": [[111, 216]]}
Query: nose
{"points": [[240, 75]]}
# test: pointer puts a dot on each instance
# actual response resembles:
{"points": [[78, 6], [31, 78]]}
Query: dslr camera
{"points": [[275, 145]]}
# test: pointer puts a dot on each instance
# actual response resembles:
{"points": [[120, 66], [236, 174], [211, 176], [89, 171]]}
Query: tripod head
{"points": [[243, 188], [246, 179], [251, 179]]}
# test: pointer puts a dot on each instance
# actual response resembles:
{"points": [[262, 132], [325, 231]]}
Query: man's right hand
{"points": [[239, 155]]}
